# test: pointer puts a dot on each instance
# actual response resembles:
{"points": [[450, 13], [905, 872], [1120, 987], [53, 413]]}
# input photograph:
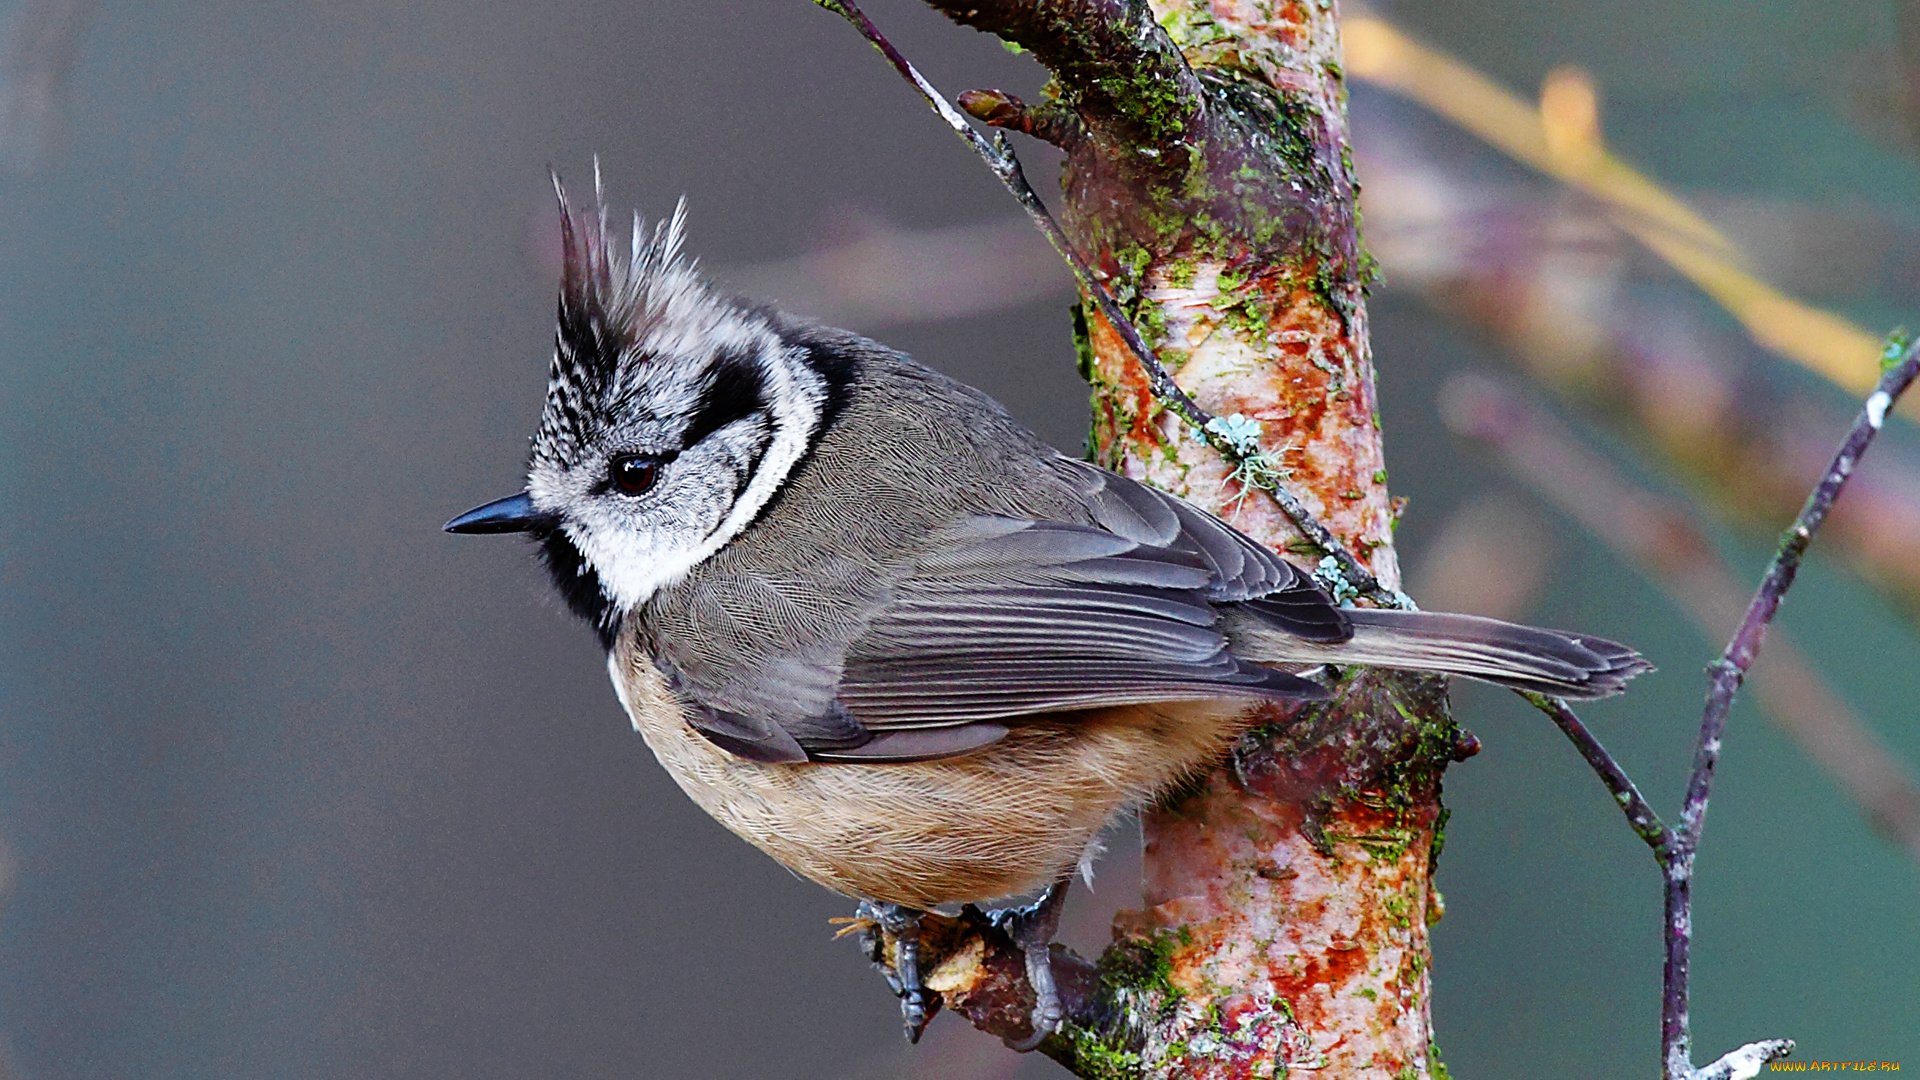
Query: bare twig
{"points": [[1726, 675], [1000, 158], [1646, 824], [1659, 536], [1674, 849], [1745, 645]]}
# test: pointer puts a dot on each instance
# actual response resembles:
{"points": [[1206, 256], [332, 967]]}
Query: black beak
{"points": [[513, 514]]}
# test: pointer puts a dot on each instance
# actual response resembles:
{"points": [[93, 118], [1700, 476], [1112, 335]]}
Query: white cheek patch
{"points": [[631, 567], [635, 563], [638, 555]]}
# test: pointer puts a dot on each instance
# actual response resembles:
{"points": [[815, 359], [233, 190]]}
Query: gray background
{"points": [[291, 784]]}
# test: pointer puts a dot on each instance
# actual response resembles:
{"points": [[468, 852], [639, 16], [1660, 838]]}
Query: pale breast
{"points": [[1006, 820]]}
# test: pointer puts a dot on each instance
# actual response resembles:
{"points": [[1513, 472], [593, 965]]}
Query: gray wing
{"points": [[1001, 618], [756, 664], [1240, 568], [1005, 618]]}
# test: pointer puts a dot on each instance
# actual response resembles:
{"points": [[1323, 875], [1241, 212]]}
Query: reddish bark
{"points": [[1288, 894]]}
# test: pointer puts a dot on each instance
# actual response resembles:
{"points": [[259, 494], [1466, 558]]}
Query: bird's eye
{"points": [[633, 474]]}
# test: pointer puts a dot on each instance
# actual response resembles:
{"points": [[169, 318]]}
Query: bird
{"points": [[886, 634]]}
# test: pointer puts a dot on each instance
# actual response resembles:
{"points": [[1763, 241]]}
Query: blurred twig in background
{"points": [[1491, 556], [877, 274], [1659, 536], [1545, 277], [1882, 95], [1562, 138], [1906, 71], [37, 43]]}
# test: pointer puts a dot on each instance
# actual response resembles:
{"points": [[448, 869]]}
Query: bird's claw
{"points": [[1032, 928], [877, 922]]}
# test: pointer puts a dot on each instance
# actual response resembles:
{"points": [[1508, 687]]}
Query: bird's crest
{"points": [[609, 304]]}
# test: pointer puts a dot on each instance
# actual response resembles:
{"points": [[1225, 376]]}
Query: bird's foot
{"points": [[877, 922], [1032, 928]]}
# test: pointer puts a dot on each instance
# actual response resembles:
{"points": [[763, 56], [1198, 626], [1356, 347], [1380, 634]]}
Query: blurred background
{"points": [[292, 784]]}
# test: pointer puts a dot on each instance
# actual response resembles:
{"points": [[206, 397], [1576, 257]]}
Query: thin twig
{"points": [[1640, 816], [1731, 669], [1674, 849], [1660, 536], [999, 156], [1902, 363]]}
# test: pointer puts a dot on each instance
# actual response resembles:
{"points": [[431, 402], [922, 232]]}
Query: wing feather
{"points": [[998, 617], [1006, 618], [1240, 568]]}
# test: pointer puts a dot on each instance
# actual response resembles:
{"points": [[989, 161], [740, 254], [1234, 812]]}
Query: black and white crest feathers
{"points": [[607, 304], [721, 399]]}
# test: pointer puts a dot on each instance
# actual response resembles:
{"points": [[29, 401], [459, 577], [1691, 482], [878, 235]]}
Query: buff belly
{"points": [[1006, 820]]}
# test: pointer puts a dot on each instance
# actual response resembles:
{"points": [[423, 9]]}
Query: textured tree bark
{"points": [[1287, 895]]}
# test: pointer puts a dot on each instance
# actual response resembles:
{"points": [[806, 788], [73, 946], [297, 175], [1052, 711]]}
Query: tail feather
{"points": [[1525, 657]]}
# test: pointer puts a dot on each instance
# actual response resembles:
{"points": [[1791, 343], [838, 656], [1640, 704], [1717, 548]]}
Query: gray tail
{"points": [[1524, 657]]}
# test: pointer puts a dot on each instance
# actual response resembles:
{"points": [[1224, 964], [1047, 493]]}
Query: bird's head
{"points": [[673, 415]]}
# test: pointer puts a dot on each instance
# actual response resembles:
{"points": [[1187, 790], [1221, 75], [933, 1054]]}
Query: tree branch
{"points": [[1253, 467], [1659, 535], [1674, 848], [1210, 201], [1640, 816], [1116, 68]]}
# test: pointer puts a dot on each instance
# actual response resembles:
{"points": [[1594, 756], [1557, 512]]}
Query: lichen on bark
{"points": [[1207, 180]]}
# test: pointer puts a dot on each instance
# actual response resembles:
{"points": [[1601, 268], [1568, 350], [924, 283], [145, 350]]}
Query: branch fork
{"points": [[1673, 848], [1048, 123]]}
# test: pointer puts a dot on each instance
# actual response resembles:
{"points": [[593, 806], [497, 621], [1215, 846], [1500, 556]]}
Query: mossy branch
{"points": [[1210, 210], [1253, 468]]}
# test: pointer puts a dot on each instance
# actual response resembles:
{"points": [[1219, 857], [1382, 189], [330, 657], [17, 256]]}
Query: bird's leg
{"points": [[903, 925], [1032, 928]]}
